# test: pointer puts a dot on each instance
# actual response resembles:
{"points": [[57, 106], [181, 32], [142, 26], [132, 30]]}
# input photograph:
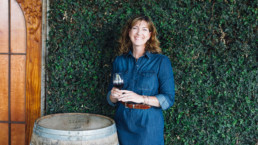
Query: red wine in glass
{"points": [[118, 80], [119, 85]]}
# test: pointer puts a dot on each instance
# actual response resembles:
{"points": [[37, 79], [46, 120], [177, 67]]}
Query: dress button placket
{"points": [[137, 64], [135, 71]]}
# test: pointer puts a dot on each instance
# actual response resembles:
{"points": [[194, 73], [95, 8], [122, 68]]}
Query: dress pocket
{"points": [[146, 80]]}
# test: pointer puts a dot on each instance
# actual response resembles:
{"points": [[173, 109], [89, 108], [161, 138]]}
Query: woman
{"points": [[148, 85]]}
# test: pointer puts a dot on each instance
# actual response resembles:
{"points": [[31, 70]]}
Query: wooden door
{"points": [[20, 63]]}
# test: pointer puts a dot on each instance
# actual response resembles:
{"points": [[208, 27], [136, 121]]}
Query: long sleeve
{"points": [[166, 94], [111, 85]]}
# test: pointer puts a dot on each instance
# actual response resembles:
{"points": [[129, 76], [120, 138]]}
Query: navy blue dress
{"points": [[151, 75]]}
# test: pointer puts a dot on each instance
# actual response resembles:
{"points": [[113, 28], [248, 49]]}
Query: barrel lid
{"points": [[74, 121], [74, 126]]}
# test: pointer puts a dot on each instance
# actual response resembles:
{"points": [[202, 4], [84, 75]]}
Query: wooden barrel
{"points": [[74, 129]]}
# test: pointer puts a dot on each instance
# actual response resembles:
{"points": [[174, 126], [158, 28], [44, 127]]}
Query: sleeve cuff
{"points": [[109, 101], [163, 101]]}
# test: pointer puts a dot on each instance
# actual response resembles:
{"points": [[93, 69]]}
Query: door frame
{"points": [[32, 10]]}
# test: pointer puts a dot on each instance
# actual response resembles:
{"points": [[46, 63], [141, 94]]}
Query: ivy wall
{"points": [[212, 45]]}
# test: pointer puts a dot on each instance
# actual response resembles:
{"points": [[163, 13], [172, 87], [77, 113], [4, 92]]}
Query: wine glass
{"points": [[118, 80]]}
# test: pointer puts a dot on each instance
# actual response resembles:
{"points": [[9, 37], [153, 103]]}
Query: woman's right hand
{"points": [[115, 94]]}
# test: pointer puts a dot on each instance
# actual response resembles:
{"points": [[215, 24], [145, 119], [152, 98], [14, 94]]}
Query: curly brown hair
{"points": [[152, 44]]}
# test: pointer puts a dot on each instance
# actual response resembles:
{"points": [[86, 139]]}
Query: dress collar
{"points": [[146, 54]]}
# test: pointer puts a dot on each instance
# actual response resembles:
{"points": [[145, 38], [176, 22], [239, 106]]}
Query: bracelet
{"points": [[144, 100]]}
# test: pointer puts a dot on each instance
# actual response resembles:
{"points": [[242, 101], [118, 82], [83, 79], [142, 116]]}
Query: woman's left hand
{"points": [[130, 96]]}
